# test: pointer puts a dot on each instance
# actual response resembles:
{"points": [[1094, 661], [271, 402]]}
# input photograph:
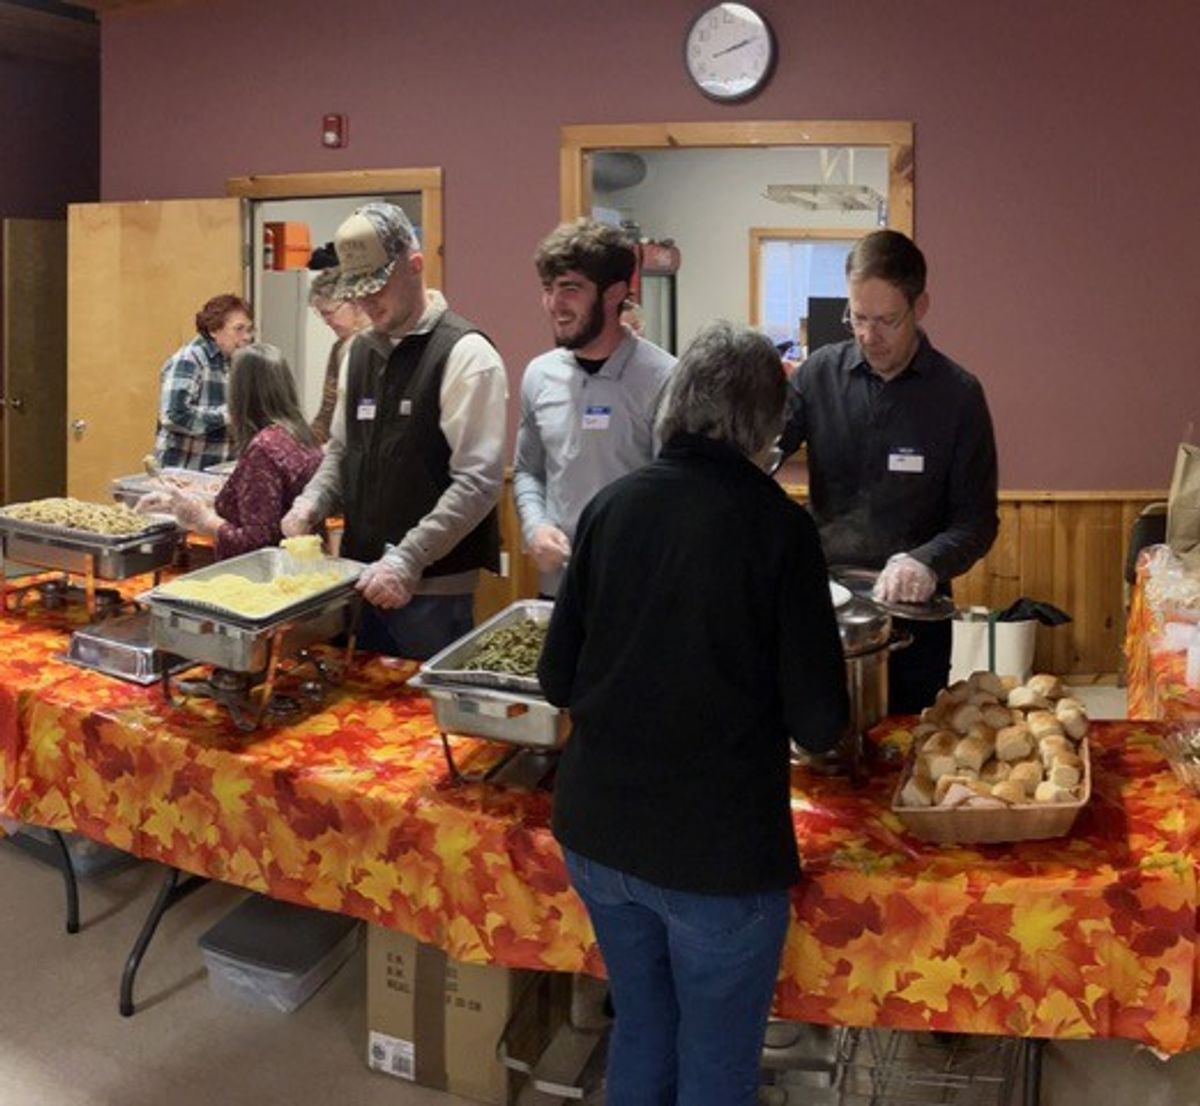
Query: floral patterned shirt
{"points": [[272, 471]]}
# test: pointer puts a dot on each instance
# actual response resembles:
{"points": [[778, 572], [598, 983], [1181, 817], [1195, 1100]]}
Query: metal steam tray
{"points": [[118, 647], [515, 719], [452, 665], [203, 485], [107, 556], [208, 633]]}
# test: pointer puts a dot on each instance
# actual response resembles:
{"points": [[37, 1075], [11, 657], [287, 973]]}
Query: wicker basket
{"points": [[989, 825]]}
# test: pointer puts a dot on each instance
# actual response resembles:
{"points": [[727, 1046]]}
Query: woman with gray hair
{"points": [[693, 635], [278, 455]]}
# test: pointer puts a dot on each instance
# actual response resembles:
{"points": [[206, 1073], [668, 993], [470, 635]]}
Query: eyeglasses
{"points": [[856, 323]]}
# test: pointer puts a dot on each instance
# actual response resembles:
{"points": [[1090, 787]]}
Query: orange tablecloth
{"points": [[1157, 688], [352, 810]]}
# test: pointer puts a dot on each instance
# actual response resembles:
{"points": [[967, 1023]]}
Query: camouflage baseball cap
{"points": [[368, 246]]}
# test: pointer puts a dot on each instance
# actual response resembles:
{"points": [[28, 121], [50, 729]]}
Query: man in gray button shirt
{"points": [[588, 406]]}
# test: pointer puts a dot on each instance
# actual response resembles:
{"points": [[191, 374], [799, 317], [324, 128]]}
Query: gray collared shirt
{"points": [[580, 432], [905, 465]]}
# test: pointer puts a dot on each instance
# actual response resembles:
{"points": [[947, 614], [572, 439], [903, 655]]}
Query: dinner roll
{"points": [[1013, 743], [1009, 682], [1027, 699], [981, 699], [971, 752], [1049, 792], [1053, 745], [1012, 793], [1069, 702], [1075, 723], [1063, 773], [964, 717], [1027, 773], [916, 792], [954, 790], [989, 682], [1045, 685], [996, 716], [937, 755], [1043, 723], [959, 691], [923, 730], [995, 771]]}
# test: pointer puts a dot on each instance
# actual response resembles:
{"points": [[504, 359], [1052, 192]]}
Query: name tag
{"points": [[366, 410], [906, 460], [406, 407], [596, 418]]}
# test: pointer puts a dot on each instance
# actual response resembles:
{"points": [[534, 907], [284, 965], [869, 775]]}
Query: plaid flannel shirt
{"points": [[193, 420]]}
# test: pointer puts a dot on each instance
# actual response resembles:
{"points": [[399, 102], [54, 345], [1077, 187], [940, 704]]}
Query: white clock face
{"points": [[729, 51]]}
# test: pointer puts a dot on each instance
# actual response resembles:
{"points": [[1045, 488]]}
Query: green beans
{"points": [[513, 649]]}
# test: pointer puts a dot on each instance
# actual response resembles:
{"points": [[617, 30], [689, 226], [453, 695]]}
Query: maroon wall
{"points": [[1057, 160], [49, 136]]}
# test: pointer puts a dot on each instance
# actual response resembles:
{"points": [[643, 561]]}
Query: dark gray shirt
{"points": [[906, 465]]}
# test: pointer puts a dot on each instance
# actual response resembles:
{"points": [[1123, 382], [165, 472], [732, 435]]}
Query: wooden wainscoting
{"points": [[1065, 548]]}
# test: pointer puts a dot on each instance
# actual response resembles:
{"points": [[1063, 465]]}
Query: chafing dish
{"points": [[499, 706], [120, 647], [206, 633], [90, 555], [203, 485]]}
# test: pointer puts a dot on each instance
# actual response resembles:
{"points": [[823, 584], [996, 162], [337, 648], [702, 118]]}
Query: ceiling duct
{"points": [[613, 170]]}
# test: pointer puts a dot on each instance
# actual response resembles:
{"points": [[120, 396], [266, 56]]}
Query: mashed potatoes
{"points": [[251, 597]]}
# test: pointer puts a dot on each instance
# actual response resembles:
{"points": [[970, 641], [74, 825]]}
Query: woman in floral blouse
{"points": [[278, 455]]}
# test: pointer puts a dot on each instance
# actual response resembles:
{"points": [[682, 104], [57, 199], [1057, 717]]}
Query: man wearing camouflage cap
{"points": [[415, 460]]}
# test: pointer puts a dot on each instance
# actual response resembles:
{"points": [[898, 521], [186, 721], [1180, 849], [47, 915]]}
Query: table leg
{"points": [[1034, 1047], [173, 890], [72, 885]]}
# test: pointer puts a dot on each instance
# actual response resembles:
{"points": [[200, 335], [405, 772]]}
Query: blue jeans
{"points": [[421, 628], [691, 977]]}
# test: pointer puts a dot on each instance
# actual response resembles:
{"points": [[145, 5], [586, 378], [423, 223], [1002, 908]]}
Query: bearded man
{"points": [[588, 406]]}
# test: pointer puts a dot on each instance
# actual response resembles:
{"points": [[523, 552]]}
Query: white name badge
{"points": [[906, 460], [596, 417], [406, 407], [366, 409]]}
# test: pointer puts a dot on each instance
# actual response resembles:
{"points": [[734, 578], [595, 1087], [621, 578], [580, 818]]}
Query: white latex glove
{"points": [[904, 579], [381, 585], [194, 515], [153, 503], [301, 519], [549, 548]]}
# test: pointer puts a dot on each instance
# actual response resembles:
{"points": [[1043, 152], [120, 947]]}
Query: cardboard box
{"points": [[473, 1030]]}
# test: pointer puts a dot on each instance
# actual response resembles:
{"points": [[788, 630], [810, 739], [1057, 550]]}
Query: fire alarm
{"points": [[334, 131]]}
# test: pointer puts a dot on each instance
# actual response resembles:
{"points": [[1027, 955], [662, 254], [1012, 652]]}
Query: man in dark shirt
{"points": [[901, 455]]}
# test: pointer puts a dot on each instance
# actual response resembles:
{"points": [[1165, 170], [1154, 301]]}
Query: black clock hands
{"points": [[735, 46]]}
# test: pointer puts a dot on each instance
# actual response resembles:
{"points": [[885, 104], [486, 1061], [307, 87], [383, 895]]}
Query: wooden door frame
{"points": [[578, 143], [759, 235], [360, 182]]}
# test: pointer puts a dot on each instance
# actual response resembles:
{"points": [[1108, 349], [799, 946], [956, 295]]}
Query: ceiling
{"points": [[62, 31]]}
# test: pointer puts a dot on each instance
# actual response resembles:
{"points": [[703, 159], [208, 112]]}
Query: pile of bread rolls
{"points": [[989, 741]]}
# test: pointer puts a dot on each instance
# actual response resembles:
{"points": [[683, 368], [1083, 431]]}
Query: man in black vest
{"points": [[415, 460]]}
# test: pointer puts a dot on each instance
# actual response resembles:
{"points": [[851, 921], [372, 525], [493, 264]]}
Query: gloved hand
{"points": [[382, 586], [301, 519], [153, 503], [194, 515], [904, 579], [549, 548]]}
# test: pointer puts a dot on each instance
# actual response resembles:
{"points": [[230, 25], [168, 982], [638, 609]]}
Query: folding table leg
{"points": [[72, 884], [173, 890], [1034, 1047]]}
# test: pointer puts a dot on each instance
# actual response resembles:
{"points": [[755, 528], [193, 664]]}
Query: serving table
{"points": [[354, 809]]}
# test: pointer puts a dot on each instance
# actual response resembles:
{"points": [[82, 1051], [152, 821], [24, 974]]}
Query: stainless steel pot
{"points": [[867, 642]]}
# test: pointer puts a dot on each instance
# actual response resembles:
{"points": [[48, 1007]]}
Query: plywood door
{"points": [[35, 358], [136, 275]]}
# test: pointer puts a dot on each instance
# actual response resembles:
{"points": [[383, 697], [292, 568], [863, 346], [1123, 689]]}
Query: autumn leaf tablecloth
{"points": [[352, 808]]}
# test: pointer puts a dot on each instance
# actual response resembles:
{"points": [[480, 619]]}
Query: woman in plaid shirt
{"points": [[193, 418]]}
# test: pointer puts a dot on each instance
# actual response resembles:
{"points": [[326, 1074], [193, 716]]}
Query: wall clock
{"points": [[729, 52]]}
